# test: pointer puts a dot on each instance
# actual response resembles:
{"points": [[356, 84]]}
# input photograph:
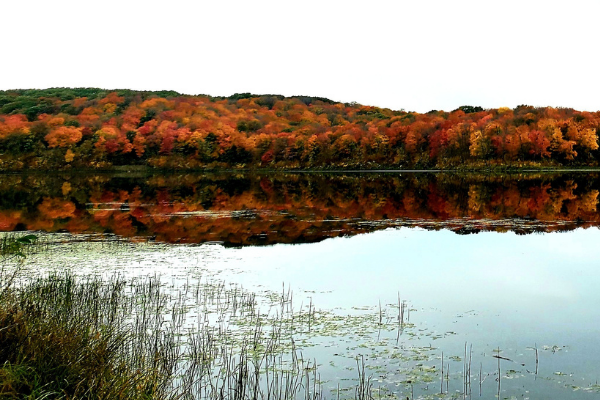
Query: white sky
{"points": [[416, 55]]}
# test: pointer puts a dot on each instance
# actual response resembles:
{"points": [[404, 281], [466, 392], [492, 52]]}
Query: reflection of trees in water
{"points": [[291, 208]]}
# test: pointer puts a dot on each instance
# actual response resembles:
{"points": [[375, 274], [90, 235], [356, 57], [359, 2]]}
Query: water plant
{"points": [[108, 336], [67, 337]]}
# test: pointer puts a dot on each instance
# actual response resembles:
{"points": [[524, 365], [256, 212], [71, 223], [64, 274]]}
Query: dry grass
{"points": [[64, 339]]}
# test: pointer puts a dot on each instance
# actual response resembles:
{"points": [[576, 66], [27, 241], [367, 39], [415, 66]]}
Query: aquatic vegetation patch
{"points": [[208, 338]]}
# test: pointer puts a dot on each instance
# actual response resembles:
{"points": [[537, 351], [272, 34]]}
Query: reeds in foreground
{"points": [[94, 338], [68, 337]]}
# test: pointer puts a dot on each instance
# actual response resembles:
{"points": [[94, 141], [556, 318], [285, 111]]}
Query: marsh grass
{"points": [[64, 337], [69, 337], [60, 338]]}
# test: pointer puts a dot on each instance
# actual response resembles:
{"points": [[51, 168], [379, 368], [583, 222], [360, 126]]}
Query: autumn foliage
{"points": [[93, 128]]}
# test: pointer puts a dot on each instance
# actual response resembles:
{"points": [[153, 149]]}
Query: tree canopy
{"points": [[96, 128]]}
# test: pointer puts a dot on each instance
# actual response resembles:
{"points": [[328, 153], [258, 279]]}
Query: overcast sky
{"points": [[415, 55]]}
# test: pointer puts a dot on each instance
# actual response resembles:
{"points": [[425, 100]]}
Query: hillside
{"points": [[94, 128]]}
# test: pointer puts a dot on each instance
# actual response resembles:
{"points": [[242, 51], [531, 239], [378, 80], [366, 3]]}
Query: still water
{"points": [[502, 266]]}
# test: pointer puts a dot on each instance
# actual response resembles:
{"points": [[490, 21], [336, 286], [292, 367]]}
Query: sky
{"points": [[411, 55]]}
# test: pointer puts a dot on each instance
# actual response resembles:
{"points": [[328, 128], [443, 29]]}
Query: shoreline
{"points": [[148, 170]]}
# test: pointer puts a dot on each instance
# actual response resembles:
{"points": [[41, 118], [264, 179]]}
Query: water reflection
{"points": [[244, 209], [495, 291]]}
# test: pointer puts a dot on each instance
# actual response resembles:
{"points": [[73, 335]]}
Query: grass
{"points": [[64, 337], [60, 338], [69, 337]]}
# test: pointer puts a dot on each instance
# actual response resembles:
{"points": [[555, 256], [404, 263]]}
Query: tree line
{"points": [[95, 128]]}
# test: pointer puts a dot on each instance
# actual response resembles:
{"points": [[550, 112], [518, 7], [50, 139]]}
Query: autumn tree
{"points": [[64, 136]]}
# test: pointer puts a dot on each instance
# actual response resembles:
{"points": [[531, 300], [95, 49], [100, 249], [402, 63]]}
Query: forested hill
{"points": [[96, 128]]}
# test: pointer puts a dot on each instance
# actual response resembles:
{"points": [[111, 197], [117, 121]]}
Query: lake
{"points": [[435, 285]]}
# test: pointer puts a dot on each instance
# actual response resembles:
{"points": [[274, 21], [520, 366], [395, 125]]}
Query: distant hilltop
{"points": [[63, 128]]}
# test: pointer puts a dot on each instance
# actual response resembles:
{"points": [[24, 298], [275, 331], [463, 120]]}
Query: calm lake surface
{"points": [[486, 267]]}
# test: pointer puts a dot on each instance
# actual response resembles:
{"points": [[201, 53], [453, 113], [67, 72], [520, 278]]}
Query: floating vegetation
{"points": [[196, 336]]}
